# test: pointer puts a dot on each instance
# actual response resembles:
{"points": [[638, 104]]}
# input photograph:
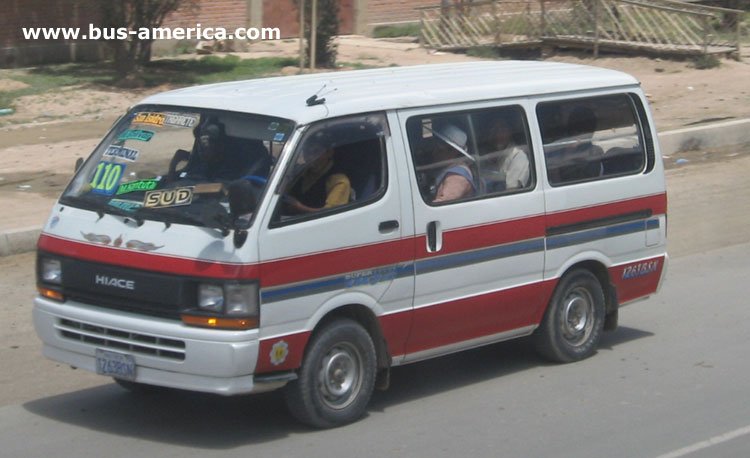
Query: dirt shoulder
{"points": [[680, 94]]}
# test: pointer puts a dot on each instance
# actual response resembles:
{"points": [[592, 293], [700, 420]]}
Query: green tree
{"points": [[133, 53], [326, 31]]}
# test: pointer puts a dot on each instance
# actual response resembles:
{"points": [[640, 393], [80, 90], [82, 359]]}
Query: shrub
{"points": [[706, 61], [326, 31]]}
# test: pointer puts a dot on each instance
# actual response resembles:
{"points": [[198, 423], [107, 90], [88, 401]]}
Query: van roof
{"points": [[361, 91]]}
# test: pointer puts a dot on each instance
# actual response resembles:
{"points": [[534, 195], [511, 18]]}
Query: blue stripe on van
{"points": [[576, 238], [473, 257], [348, 280], [451, 261]]}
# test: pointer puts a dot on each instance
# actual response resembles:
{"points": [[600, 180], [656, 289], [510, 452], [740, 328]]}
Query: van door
{"points": [[335, 237], [479, 220]]}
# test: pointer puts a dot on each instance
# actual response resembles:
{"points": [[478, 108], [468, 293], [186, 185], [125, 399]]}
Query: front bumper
{"points": [[167, 353]]}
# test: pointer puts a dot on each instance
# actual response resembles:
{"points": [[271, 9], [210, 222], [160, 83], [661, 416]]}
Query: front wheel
{"points": [[574, 320], [337, 376]]}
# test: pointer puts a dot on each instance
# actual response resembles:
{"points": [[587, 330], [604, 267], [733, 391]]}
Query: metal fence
{"points": [[662, 26]]}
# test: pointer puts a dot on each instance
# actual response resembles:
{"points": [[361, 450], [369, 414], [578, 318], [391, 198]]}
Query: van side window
{"points": [[338, 164], [591, 139], [467, 155]]}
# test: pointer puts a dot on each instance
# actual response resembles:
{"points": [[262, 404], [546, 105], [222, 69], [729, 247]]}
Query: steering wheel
{"points": [[255, 179]]}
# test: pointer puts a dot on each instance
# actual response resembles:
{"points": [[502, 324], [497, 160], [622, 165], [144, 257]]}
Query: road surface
{"points": [[670, 382]]}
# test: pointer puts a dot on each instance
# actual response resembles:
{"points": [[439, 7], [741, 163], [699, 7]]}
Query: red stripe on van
{"points": [[146, 261], [281, 272], [456, 321], [484, 236], [317, 265], [656, 203], [432, 327], [308, 267]]}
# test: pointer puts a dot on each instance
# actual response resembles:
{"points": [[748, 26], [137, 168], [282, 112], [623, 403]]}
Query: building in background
{"points": [[356, 16]]}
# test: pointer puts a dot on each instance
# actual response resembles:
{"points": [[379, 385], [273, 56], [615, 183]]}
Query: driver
{"points": [[212, 156], [321, 185]]}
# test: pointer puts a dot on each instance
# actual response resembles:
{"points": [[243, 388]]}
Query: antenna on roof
{"points": [[314, 100]]}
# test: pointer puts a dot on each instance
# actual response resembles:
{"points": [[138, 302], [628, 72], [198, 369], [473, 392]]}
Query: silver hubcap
{"points": [[578, 316], [340, 376]]}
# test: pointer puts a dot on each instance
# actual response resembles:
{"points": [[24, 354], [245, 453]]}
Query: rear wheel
{"points": [[337, 376], [574, 320]]}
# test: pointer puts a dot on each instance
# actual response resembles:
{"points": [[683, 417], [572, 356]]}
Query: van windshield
{"points": [[180, 165]]}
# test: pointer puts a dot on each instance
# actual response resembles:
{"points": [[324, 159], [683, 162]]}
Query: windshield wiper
{"points": [[103, 207], [215, 220]]}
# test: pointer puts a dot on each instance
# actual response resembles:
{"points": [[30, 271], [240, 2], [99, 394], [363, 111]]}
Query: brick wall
{"points": [[211, 13], [41, 13], [14, 14], [285, 15], [385, 11], [15, 50]]}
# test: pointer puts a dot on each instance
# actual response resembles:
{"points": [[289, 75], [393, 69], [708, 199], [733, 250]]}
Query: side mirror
{"points": [[79, 163], [242, 201]]}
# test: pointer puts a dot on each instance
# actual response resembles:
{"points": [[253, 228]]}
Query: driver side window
{"points": [[338, 165]]}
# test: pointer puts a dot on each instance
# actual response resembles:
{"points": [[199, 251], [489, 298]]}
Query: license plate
{"points": [[117, 365]]}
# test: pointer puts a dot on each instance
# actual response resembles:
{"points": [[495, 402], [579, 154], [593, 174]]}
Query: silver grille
{"points": [[142, 344]]}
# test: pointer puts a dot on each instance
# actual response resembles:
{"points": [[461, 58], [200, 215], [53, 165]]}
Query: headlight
{"points": [[225, 306], [211, 298], [241, 300], [51, 271]]}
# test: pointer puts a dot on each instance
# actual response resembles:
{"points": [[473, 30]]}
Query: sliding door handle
{"points": [[434, 237]]}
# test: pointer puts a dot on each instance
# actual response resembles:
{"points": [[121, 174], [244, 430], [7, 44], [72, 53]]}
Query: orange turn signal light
{"points": [[220, 323], [51, 294]]}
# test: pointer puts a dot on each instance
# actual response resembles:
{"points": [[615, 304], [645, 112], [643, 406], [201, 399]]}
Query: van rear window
{"points": [[591, 139]]}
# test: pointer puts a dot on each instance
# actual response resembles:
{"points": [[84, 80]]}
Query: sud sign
{"points": [[168, 197]]}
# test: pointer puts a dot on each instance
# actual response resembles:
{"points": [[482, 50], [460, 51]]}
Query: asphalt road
{"points": [[672, 379], [670, 382]]}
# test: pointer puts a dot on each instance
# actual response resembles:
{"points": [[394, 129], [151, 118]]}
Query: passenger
{"points": [[512, 161], [322, 184], [582, 159], [456, 181]]}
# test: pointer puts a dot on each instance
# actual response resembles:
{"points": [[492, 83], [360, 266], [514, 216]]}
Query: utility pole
{"points": [[301, 36], [313, 33]]}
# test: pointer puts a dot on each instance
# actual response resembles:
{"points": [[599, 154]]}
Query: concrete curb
{"points": [[721, 134], [19, 240]]}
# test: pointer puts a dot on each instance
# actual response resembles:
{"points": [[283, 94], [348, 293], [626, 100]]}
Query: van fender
{"points": [[286, 352], [364, 309], [340, 300], [585, 256]]}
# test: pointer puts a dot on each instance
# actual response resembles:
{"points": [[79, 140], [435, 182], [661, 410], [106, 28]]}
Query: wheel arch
{"points": [[367, 318]]}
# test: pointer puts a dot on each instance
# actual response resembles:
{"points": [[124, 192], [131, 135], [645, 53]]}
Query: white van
{"points": [[312, 232]]}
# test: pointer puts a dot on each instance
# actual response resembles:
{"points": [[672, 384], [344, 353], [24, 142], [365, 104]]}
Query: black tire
{"points": [[337, 376], [574, 320]]}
